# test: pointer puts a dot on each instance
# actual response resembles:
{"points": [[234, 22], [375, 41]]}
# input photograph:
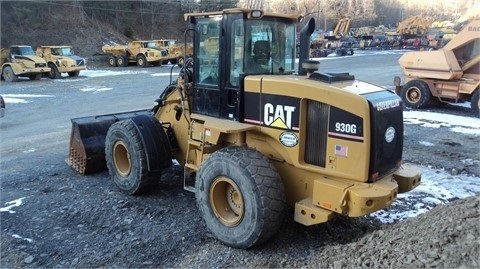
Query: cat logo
{"points": [[279, 116]]}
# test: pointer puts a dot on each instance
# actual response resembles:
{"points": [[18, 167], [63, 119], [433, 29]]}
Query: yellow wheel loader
{"points": [[254, 135], [448, 75]]}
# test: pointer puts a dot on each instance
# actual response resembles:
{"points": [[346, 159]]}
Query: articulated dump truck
{"points": [[21, 61], [254, 135]]}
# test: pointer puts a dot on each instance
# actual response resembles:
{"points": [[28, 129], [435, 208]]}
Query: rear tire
{"points": [[121, 61], [126, 158], [141, 60], [9, 75], [416, 94], [475, 103], [54, 74], [112, 61], [240, 196]]}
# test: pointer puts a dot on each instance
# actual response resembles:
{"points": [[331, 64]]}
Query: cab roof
{"points": [[293, 17]]}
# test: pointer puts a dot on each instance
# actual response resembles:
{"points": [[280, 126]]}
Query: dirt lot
{"points": [[53, 217]]}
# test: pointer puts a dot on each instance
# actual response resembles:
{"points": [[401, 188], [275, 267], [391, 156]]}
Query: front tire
{"points": [[416, 94], [9, 75], [54, 73], [126, 158], [240, 196], [141, 60]]}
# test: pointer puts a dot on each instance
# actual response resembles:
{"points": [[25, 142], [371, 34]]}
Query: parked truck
{"points": [[61, 59], [21, 61], [254, 135], [177, 52], [448, 75], [139, 52]]}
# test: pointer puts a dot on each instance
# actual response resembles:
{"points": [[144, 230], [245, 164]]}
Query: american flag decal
{"points": [[341, 151]]}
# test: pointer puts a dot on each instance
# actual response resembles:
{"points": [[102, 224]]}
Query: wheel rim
{"points": [[180, 61], [121, 159], [140, 62], [111, 61], [413, 95], [226, 201]]}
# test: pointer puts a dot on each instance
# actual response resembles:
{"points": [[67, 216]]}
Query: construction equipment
{"points": [[253, 135], [448, 75], [61, 59], [139, 52], [177, 53], [336, 41], [415, 25], [20, 61]]}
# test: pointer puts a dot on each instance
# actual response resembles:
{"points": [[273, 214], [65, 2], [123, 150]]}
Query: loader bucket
{"points": [[87, 140]]}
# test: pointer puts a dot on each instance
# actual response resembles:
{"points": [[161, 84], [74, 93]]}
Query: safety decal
{"points": [[289, 139]]}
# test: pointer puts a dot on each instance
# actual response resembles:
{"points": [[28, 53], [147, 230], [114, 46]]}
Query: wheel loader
{"points": [[254, 135], [448, 75]]}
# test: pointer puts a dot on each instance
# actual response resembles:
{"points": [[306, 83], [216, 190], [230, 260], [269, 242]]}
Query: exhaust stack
{"points": [[304, 53]]}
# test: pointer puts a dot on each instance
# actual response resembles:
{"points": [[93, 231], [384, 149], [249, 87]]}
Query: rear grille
{"points": [[387, 132], [316, 133]]}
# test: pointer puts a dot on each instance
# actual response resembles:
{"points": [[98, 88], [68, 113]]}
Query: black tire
{"points": [[121, 61], [475, 103], [112, 61], [73, 73], [173, 61], [54, 73], [9, 75], [240, 196], [126, 159], [416, 94], [141, 60], [36, 76]]}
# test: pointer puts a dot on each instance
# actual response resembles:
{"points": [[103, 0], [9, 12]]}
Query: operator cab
{"points": [[230, 45]]}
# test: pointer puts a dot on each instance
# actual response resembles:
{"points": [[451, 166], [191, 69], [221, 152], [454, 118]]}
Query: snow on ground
{"points": [[437, 186]]}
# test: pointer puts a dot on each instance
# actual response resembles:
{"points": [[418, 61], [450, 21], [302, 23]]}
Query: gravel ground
{"points": [[66, 220]]}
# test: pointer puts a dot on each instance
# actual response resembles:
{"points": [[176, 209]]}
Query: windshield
{"points": [[23, 51], [67, 51], [269, 46]]}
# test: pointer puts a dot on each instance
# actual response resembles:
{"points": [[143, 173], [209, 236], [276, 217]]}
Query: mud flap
{"points": [[87, 140]]}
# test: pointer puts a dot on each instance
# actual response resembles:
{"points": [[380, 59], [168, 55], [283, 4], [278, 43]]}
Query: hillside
{"points": [[36, 24]]}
